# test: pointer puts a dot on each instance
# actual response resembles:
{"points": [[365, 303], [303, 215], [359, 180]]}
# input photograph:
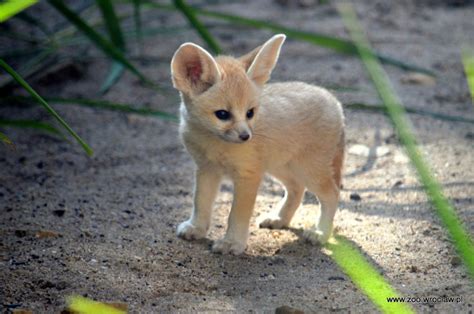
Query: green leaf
{"points": [[116, 70], [445, 211], [434, 115], [79, 304], [10, 7], [112, 23], [6, 140], [31, 67], [365, 275], [138, 23], [115, 34], [468, 62], [330, 42], [107, 105], [189, 13], [102, 43], [48, 108], [27, 18], [30, 124]]}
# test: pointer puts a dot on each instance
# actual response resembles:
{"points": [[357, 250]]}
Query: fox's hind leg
{"points": [[327, 189], [328, 194], [287, 206]]}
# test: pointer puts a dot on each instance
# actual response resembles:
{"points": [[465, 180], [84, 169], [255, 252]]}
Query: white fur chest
{"points": [[208, 150]]}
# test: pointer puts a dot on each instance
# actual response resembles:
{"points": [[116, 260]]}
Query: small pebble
{"points": [[397, 184], [413, 269], [455, 261], [20, 233], [355, 197], [285, 309], [59, 212], [418, 79]]}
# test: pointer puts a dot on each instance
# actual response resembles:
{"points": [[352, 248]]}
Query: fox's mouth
{"points": [[234, 140]]}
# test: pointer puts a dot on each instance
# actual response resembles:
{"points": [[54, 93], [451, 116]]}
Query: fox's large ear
{"points": [[262, 60], [193, 69]]}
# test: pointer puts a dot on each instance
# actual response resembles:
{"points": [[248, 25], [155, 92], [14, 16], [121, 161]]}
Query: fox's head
{"points": [[222, 94]]}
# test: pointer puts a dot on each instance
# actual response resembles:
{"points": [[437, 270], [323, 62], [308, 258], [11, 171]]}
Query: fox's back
{"points": [[296, 115]]}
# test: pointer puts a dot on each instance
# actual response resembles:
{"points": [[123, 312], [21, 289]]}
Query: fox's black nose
{"points": [[244, 136]]}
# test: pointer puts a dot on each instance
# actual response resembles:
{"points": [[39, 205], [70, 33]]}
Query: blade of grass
{"points": [[10, 8], [107, 105], [434, 115], [116, 70], [468, 62], [330, 42], [138, 24], [48, 108], [364, 275], [19, 36], [27, 18], [115, 34], [31, 124], [21, 52], [112, 23], [107, 47], [78, 304], [444, 210], [189, 13], [334, 43], [6, 140], [32, 66]]}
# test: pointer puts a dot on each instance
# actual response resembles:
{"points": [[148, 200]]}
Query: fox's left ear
{"points": [[261, 61]]}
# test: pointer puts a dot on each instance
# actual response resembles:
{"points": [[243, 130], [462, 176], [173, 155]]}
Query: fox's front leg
{"points": [[235, 239], [205, 190]]}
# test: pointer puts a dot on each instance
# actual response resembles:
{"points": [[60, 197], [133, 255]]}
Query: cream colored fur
{"points": [[296, 135]]}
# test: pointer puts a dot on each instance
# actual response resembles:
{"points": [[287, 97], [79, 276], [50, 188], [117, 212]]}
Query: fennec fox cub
{"points": [[235, 126]]}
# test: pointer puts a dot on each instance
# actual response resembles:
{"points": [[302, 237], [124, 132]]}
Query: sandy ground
{"points": [[116, 213]]}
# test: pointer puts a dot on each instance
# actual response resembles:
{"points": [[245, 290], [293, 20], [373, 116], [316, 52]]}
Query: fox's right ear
{"points": [[259, 63], [193, 69]]}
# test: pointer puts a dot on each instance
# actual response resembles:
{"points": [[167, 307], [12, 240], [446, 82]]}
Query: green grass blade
{"points": [[11, 7], [33, 21], [434, 115], [116, 71], [97, 39], [468, 62], [115, 34], [6, 140], [31, 124], [330, 42], [445, 211], [79, 304], [106, 105], [189, 13], [48, 108], [32, 66], [126, 108], [365, 276], [138, 24], [112, 23], [27, 38]]}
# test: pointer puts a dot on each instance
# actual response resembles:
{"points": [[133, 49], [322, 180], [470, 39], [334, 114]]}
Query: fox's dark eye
{"points": [[250, 114], [222, 114]]}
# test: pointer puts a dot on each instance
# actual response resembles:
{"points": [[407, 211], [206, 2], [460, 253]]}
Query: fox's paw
{"points": [[316, 236], [188, 231], [224, 246], [272, 222]]}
